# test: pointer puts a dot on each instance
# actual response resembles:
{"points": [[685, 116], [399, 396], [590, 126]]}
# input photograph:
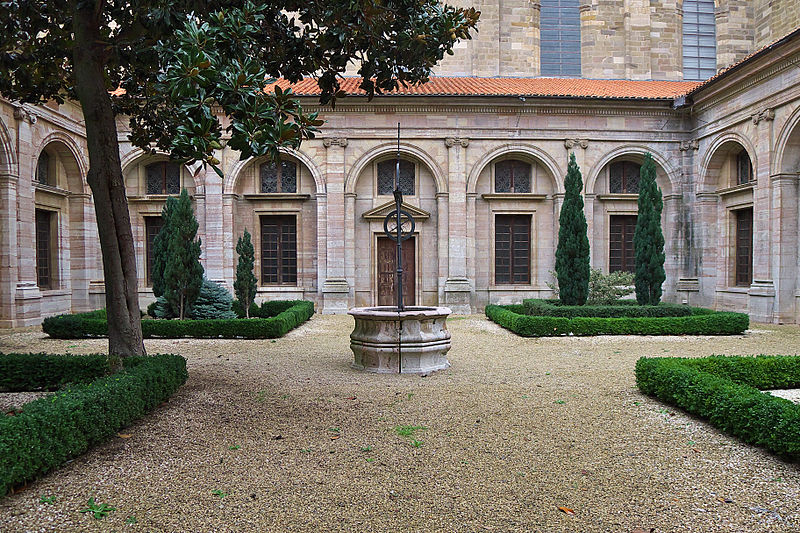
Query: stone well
{"points": [[413, 341]]}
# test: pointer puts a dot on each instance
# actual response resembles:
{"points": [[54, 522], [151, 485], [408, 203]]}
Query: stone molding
{"points": [[334, 141], [692, 144], [572, 143], [456, 141], [765, 114], [23, 113]]}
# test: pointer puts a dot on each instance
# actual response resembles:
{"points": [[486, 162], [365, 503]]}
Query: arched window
{"points": [[560, 38], [386, 174], [278, 177], [512, 175], [623, 177], [699, 40], [43, 169], [163, 177], [744, 168]]}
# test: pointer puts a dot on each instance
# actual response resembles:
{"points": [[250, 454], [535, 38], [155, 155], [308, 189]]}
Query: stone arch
{"points": [[789, 137], [391, 148], [8, 155], [536, 153], [71, 156], [138, 156], [719, 149], [671, 173], [233, 176]]}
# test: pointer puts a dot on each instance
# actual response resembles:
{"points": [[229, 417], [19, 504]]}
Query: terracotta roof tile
{"points": [[517, 87]]}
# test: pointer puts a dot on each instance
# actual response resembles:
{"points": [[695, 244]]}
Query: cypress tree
{"points": [[245, 284], [183, 273], [160, 248], [572, 254], [648, 240]]}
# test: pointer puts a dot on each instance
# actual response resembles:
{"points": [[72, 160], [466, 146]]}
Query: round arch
{"points": [[391, 148], [72, 156], [509, 149], [233, 176], [632, 149], [712, 154], [790, 129], [8, 155], [137, 156]]}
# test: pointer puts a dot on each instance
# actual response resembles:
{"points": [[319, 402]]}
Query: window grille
{"points": [[386, 173], [163, 177], [512, 176], [278, 178], [43, 169], [152, 227], [744, 168], [623, 177]]}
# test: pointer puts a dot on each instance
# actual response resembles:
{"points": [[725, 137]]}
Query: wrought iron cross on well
{"points": [[398, 226]]}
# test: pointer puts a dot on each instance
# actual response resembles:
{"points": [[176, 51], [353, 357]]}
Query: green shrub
{"points": [[725, 391], [214, 301], [536, 307], [288, 314], [515, 319], [52, 430], [40, 371]]}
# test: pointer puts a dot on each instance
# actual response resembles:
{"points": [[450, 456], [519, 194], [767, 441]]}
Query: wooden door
{"points": [[620, 243], [387, 270]]}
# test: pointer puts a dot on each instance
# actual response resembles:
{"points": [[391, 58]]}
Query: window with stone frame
{"points": [[386, 174], [163, 177], [46, 252], [512, 175], [623, 177], [560, 38], [621, 255], [512, 249], [152, 226], [744, 168], [743, 256], [43, 169], [278, 177], [699, 40], [279, 250]]}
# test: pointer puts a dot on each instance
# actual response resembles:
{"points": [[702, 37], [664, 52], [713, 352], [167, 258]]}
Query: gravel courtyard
{"points": [[296, 440]]}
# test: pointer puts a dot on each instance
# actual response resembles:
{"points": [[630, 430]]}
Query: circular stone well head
{"points": [[411, 341]]}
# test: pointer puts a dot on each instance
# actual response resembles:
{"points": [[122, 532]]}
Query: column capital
{"points": [[23, 112], [691, 144], [765, 114], [572, 143], [334, 141], [456, 141]]}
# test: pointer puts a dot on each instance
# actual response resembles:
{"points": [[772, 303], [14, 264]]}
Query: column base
{"points": [[28, 300], [458, 295], [688, 290], [335, 296], [761, 302]]}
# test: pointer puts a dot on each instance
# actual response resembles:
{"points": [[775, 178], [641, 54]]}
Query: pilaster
{"points": [[8, 249], [785, 243], [457, 287], [213, 241], [27, 295], [335, 288]]}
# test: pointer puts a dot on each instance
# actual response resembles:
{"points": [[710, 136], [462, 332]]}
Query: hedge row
{"points": [[40, 371], [513, 317], [725, 391], [292, 313], [52, 430], [536, 307]]}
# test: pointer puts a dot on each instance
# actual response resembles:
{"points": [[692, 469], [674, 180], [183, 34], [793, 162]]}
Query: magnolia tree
{"points": [[183, 67]]}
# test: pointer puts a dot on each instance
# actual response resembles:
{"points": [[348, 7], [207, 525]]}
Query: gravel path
{"points": [[514, 430]]}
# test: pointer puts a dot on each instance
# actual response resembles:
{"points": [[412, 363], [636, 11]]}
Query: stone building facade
{"points": [[484, 148]]}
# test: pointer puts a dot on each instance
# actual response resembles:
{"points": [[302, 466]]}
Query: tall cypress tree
{"points": [[572, 254], [245, 284], [160, 248], [183, 273], [648, 240]]}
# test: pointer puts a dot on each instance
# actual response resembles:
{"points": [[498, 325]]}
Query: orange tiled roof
{"points": [[516, 87]]}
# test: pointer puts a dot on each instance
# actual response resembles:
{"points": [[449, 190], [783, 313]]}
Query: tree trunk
{"points": [[108, 188]]}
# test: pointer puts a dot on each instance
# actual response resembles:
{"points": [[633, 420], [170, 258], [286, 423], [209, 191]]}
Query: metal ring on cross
{"points": [[406, 229]]}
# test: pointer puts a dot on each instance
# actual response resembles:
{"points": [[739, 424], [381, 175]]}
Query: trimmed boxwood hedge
{"points": [[536, 307], [288, 315], [52, 430], [514, 318], [40, 371], [725, 391]]}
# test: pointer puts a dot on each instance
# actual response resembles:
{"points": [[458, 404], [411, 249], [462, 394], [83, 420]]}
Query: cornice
{"points": [[450, 108]]}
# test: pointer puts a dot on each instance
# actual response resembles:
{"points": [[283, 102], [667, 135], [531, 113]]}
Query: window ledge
{"points": [[279, 288], [737, 188], [277, 196], [50, 188], [54, 292], [618, 196], [735, 290], [518, 288], [524, 196], [155, 197]]}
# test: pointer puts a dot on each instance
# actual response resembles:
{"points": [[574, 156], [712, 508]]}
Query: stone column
{"points": [[213, 241], [762, 291], [687, 239], [709, 232], [80, 268], [784, 245], [28, 298], [335, 289], [457, 287], [8, 247]]}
